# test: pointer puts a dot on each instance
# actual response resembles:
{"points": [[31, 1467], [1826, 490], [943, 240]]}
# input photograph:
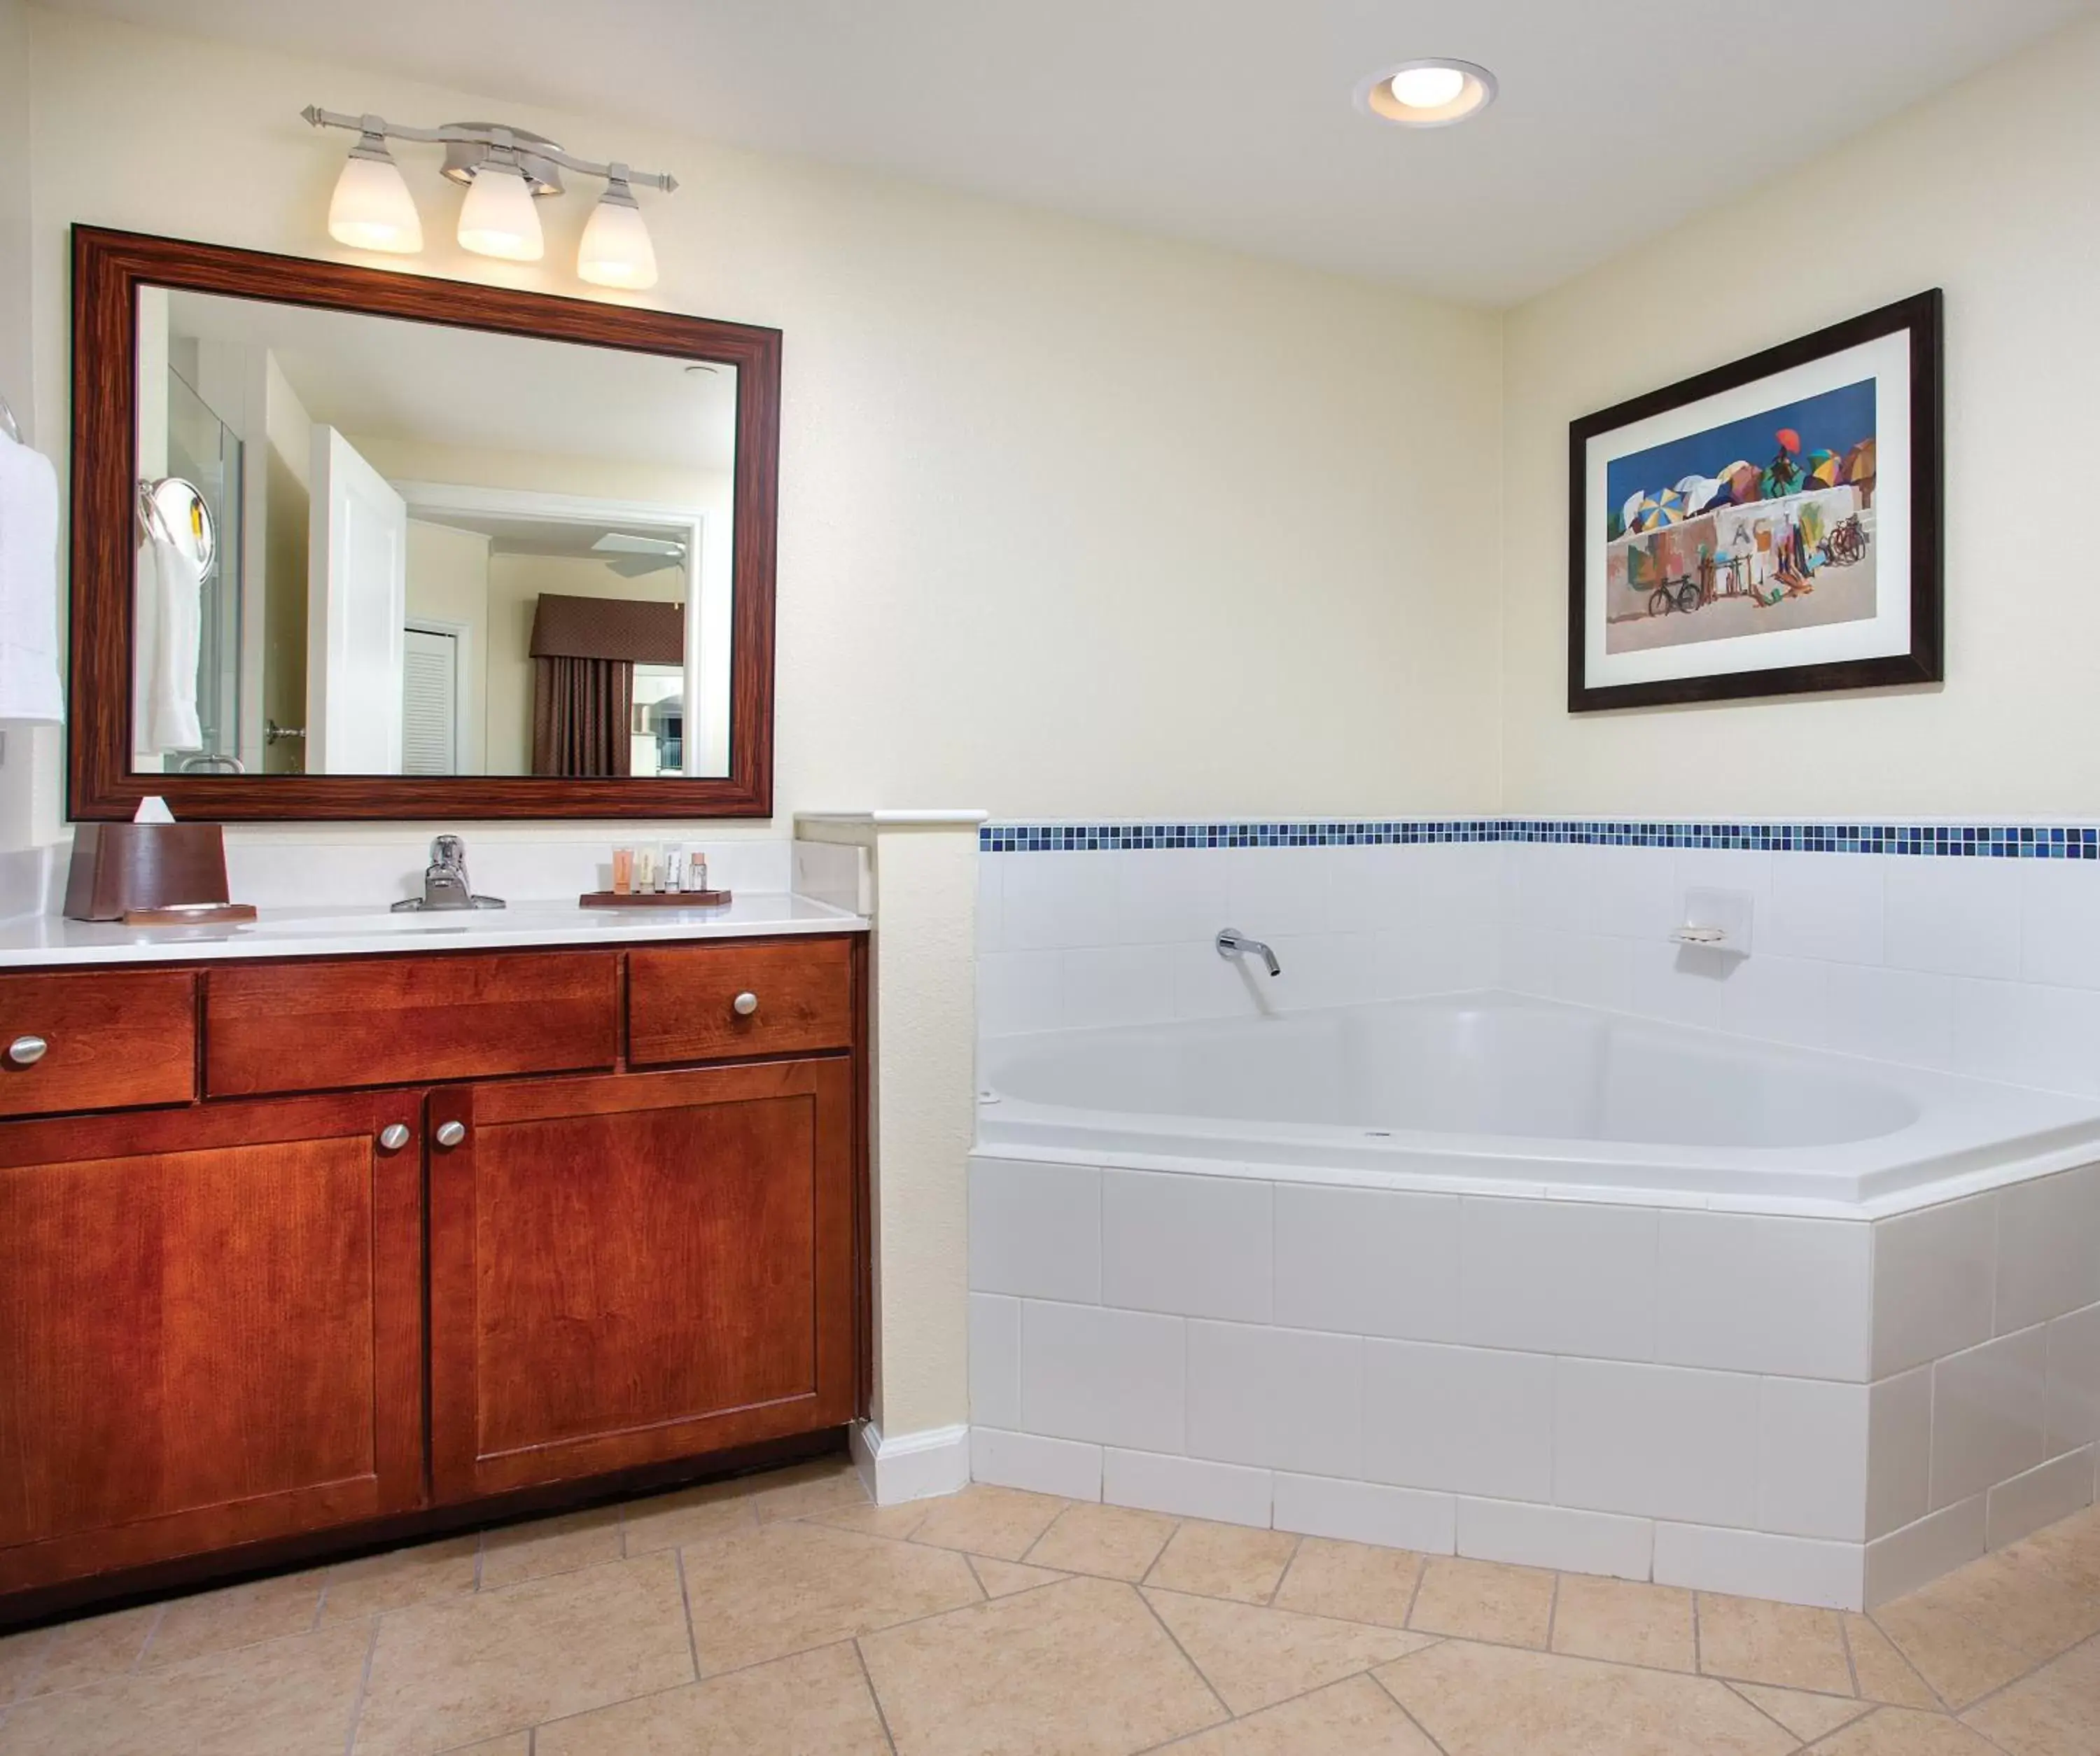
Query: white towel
{"points": [[29, 687], [170, 626]]}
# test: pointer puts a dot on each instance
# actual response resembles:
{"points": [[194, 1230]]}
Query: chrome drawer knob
{"points": [[746, 1005], [394, 1136], [26, 1050], [451, 1133]]}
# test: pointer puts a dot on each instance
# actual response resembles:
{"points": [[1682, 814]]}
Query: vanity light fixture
{"points": [[504, 168], [1427, 93]]}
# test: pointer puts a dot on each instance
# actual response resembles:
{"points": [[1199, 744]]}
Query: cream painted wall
{"points": [[1016, 532], [448, 582], [1988, 192]]}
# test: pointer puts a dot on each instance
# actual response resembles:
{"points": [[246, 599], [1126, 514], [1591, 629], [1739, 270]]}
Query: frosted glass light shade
{"points": [[616, 250], [497, 219], [372, 209], [1427, 88]]}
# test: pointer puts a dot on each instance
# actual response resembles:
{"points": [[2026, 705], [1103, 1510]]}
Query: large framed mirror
{"points": [[350, 544]]}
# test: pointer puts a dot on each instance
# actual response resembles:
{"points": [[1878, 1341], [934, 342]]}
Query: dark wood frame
{"points": [[1922, 317], [109, 267]]}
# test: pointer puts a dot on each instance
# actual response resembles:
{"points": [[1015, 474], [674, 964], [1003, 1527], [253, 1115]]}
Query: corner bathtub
{"points": [[1491, 1093]]}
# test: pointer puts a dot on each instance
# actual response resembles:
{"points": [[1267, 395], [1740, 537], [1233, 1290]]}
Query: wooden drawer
{"points": [[112, 1040], [681, 999], [314, 1027]]}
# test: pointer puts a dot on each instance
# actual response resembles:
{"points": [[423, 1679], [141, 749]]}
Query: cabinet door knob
{"points": [[26, 1050], [451, 1133], [394, 1136], [746, 1004]]}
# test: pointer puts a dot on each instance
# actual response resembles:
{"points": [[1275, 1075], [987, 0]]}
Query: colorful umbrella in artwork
{"points": [[1858, 465], [1744, 482], [1824, 468], [1665, 507], [1700, 492]]}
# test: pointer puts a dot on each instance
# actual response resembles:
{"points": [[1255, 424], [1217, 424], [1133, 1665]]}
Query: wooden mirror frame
{"points": [[108, 269]]}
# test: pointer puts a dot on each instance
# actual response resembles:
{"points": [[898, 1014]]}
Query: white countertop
{"points": [[46, 941]]}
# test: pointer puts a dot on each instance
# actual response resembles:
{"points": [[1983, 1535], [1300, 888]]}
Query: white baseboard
{"points": [[901, 1466]]}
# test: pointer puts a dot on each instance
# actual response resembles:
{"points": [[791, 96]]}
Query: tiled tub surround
{"points": [[1827, 1409]]}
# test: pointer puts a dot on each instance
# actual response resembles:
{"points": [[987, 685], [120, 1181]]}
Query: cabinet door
{"points": [[628, 1270], [210, 1330]]}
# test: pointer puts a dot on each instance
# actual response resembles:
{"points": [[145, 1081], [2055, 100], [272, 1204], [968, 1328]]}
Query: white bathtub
{"points": [[1529, 1097]]}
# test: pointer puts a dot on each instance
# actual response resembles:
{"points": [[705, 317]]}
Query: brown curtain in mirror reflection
{"points": [[584, 650]]}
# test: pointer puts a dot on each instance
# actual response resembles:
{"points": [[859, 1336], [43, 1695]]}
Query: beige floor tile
{"points": [[1224, 1561], [75, 1653], [1785, 1645], [1352, 1580], [1488, 1700], [2070, 1547], [815, 1704], [290, 1697], [1629, 1623], [1353, 1718], [806, 1488], [214, 1621], [398, 1579], [698, 1515], [1900, 1731], [1001, 1522], [20, 1656], [549, 1546], [2055, 1712], [896, 1522], [1807, 1717], [1002, 1579], [1483, 1600], [1115, 1542], [1962, 1662], [794, 1586], [453, 1672], [2020, 1599], [1256, 1657], [1882, 1673], [1078, 1669], [517, 1744]]}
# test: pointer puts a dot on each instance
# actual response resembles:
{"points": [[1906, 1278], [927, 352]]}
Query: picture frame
{"points": [[1699, 571]]}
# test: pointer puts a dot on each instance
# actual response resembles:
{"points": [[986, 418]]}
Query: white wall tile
{"points": [[1115, 985], [1458, 882], [1754, 1563], [1370, 887], [1577, 969], [1468, 1419], [2072, 1408], [1898, 1451], [1812, 1458], [1746, 870], [1987, 1415], [1753, 1293], [1110, 1377], [1635, 895], [1933, 1273], [1557, 1277], [2029, 1035], [1193, 1245], [1018, 993], [1658, 1441], [1054, 901], [1921, 1552], [994, 1361], [2048, 1247], [1681, 984], [1358, 1511], [992, 890], [1556, 1537], [1281, 1398], [1427, 956], [1041, 1465], [1273, 893], [2055, 1490], [1954, 917], [2060, 922], [1556, 884], [1899, 1015], [1187, 1487], [1319, 969], [1367, 1262], [1167, 896], [1825, 905], [1035, 1229], [1778, 999]]}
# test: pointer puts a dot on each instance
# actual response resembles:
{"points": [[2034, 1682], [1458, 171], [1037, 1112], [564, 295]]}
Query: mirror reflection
{"points": [[371, 546]]}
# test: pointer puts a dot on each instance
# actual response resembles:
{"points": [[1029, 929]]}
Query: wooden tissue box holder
{"points": [[120, 869]]}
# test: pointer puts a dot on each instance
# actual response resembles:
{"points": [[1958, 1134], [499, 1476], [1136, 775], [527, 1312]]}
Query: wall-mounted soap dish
{"points": [[1714, 920]]}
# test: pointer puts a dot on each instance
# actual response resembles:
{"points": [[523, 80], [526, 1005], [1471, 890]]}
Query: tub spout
{"points": [[1232, 942]]}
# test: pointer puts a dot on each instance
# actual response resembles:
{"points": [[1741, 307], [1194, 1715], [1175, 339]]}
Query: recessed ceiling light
{"points": [[1427, 93]]}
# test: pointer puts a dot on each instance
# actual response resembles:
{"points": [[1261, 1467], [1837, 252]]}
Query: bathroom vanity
{"points": [[303, 1234]]}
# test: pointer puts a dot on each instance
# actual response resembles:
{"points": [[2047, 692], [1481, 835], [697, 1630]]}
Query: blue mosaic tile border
{"points": [[1944, 840]]}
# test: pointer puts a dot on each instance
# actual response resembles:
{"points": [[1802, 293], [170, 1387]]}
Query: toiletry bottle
{"points": [[674, 868], [622, 870], [696, 870]]}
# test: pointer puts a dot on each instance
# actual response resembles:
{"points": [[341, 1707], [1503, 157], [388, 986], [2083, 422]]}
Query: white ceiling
{"points": [[387, 379], [1229, 121]]}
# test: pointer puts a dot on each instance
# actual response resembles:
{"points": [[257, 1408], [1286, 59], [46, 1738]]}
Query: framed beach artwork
{"points": [[1769, 527]]}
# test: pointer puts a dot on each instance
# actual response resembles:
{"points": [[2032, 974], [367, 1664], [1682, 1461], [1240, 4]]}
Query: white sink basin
{"points": [[443, 920]]}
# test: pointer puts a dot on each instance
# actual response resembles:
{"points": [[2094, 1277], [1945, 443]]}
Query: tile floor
{"points": [[783, 1613]]}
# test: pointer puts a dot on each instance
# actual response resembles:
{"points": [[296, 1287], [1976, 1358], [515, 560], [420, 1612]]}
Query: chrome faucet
{"points": [[1232, 942], [445, 883]]}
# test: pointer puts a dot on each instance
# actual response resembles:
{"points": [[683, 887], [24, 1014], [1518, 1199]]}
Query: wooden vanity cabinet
{"points": [[228, 1319]]}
